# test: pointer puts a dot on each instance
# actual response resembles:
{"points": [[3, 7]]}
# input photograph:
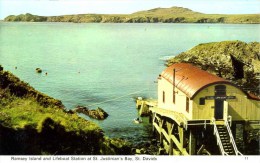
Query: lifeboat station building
{"points": [[198, 112], [199, 95]]}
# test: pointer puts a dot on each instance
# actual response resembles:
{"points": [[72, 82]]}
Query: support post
{"points": [[234, 130], [245, 135], [182, 135], [169, 131], [153, 117], [161, 134], [171, 147], [192, 144]]}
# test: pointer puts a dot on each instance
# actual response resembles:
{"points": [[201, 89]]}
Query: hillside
{"points": [[32, 123], [236, 61], [157, 15]]}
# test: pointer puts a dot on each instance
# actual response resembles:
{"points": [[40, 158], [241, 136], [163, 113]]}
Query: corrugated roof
{"points": [[190, 79]]}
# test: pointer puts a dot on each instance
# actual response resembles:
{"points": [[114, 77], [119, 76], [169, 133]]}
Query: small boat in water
{"points": [[138, 120]]}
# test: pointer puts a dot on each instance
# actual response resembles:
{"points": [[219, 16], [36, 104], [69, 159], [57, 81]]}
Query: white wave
{"points": [[165, 58]]}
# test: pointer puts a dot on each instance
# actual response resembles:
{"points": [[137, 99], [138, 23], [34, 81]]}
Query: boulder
{"points": [[1, 68], [98, 113]]}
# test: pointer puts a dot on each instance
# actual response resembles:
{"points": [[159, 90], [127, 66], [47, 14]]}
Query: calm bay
{"points": [[105, 65]]}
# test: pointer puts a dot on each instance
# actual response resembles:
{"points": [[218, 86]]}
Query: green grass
{"points": [[20, 112]]}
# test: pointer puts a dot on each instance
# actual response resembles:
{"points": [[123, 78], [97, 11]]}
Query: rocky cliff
{"points": [[236, 61], [157, 15]]}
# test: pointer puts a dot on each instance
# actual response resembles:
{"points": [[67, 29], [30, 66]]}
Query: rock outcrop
{"points": [[236, 61], [98, 113]]}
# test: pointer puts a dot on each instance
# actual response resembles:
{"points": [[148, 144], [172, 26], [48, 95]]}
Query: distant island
{"points": [[157, 15]]}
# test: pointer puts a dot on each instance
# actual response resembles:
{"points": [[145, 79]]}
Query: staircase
{"points": [[225, 140]]}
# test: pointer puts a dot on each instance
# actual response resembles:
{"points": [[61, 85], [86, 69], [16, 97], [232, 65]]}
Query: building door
{"points": [[220, 91]]}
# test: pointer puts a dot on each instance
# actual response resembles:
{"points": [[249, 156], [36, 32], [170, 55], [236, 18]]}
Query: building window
{"points": [[163, 97], [202, 101], [173, 97], [187, 104]]}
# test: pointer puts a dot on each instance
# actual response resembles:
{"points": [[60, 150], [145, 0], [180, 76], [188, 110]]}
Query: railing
{"points": [[204, 123], [231, 136], [219, 143]]}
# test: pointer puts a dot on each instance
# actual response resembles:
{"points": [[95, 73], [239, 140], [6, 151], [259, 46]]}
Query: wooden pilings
{"points": [[164, 127], [192, 143]]}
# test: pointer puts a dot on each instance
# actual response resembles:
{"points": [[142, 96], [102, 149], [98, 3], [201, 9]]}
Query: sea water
{"points": [[105, 65]]}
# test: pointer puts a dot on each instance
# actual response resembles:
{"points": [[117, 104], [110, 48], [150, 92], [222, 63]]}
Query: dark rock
{"points": [[133, 150], [161, 151], [70, 112], [116, 146], [38, 70], [1, 68], [98, 113], [142, 150], [146, 148], [154, 142]]}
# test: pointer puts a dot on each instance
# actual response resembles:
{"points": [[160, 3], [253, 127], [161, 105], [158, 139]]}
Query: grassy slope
{"points": [[20, 112], [164, 15], [34, 123]]}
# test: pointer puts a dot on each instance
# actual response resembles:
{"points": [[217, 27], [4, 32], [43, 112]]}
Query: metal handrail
{"points": [[232, 138], [219, 143]]}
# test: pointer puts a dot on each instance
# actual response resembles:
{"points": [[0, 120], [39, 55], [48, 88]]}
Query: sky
{"points": [[64, 7]]}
